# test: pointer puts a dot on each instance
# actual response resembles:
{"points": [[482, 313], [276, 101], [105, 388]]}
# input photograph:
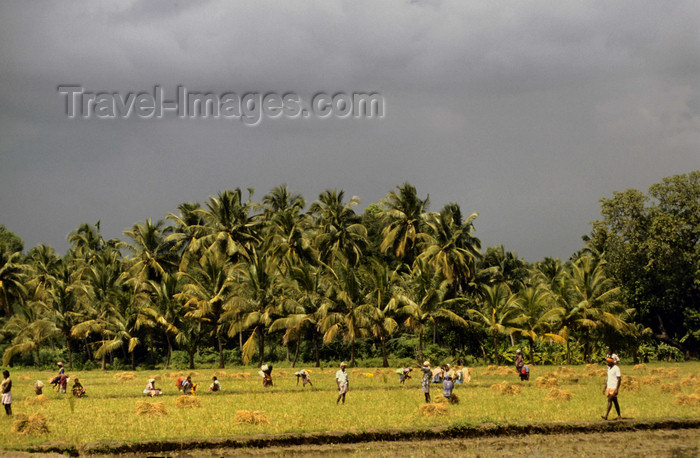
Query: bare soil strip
{"points": [[345, 437]]}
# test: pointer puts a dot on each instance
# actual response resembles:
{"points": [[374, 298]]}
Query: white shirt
{"points": [[613, 374], [342, 376]]}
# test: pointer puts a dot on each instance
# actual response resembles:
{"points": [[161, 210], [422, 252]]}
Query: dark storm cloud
{"points": [[527, 112]]}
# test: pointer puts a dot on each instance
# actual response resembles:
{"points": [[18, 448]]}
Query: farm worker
{"points": [[449, 372], [188, 387], [179, 381], [266, 374], [438, 374], [612, 387], [404, 374], [6, 390], [78, 390], [62, 383], [447, 387], [342, 379], [61, 371], [425, 381], [519, 361], [304, 376], [38, 387], [151, 389], [215, 384]]}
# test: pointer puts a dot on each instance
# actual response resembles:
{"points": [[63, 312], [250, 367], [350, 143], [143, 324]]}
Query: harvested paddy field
{"points": [[378, 409]]}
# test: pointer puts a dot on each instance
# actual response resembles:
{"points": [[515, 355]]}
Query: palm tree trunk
{"points": [[532, 353], [38, 358], [352, 353], [296, 353], [318, 358], [104, 361], [434, 332], [133, 361], [385, 362], [87, 348], [420, 345], [262, 344], [170, 350], [221, 351], [70, 354], [483, 352], [191, 355], [495, 346], [568, 352]]}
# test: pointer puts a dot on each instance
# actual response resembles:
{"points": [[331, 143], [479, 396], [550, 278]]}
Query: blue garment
{"points": [[447, 387]]}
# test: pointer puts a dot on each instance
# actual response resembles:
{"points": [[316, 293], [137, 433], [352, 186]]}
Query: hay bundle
{"points": [[503, 371], [194, 374], [691, 400], [564, 372], [150, 409], [188, 402], [220, 374], [671, 388], [36, 400], [555, 394], [506, 389], [640, 367], [691, 380], [547, 381], [368, 374], [672, 372], [24, 378], [174, 374], [590, 367], [659, 372], [650, 380], [596, 372], [283, 373], [125, 376], [631, 384], [245, 375], [156, 377], [430, 410], [32, 424], [490, 369], [454, 399], [254, 417]]}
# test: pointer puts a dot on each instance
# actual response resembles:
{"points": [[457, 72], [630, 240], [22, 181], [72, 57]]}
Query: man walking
{"points": [[612, 387], [342, 378]]}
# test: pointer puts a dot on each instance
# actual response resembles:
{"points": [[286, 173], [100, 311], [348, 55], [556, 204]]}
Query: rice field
{"points": [[115, 408]]}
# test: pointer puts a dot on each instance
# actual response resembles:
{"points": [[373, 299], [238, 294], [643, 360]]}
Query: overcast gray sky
{"points": [[527, 112]]}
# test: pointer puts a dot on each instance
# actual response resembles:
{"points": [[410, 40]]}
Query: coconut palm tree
{"points": [[161, 297], [207, 291], [340, 231], [254, 302], [423, 300], [535, 317], [13, 274], [405, 216], [30, 328], [497, 312], [153, 254], [451, 247]]}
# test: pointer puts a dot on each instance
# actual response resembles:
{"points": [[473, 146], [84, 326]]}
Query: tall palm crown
{"points": [[405, 215]]}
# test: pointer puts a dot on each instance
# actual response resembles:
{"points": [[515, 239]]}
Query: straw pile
{"points": [[245, 375], [499, 370], [640, 367], [691, 380], [283, 373], [125, 376], [174, 374], [32, 424], [595, 371], [671, 372], [24, 378], [188, 402], [194, 374], [564, 372], [150, 409], [671, 388], [253, 417], [650, 380], [506, 389], [430, 410], [156, 377], [454, 399], [36, 400], [547, 381], [691, 400], [220, 374], [631, 384], [555, 394]]}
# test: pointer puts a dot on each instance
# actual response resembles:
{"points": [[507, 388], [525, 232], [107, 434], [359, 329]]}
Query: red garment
{"points": [[178, 382]]}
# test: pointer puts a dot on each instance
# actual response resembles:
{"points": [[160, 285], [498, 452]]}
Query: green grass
{"points": [[377, 402]]}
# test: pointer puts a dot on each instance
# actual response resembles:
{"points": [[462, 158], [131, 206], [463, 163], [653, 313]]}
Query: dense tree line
{"points": [[252, 281]]}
